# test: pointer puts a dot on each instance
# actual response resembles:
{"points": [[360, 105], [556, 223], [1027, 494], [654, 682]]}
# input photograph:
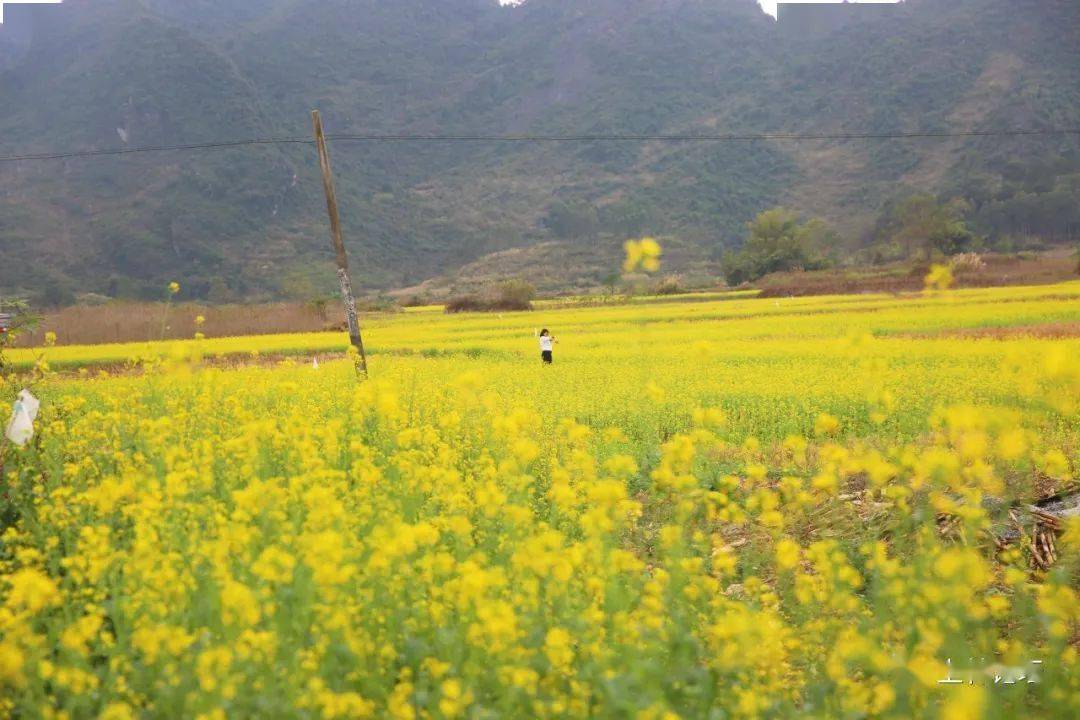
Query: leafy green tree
{"points": [[611, 282], [922, 221], [56, 294], [819, 239], [778, 242]]}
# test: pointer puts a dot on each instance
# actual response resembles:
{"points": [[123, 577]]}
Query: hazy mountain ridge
{"points": [[250, 222]]}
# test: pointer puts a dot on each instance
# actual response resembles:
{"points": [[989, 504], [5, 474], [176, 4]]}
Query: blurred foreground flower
{"points": [[826, 424], [644, 254], [940, 277]]}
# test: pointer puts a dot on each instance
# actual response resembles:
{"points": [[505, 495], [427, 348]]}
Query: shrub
{"points": [[418, 300], [319, 306], [966, 263], [465, 303], [919, 269], [379, 303], [670, 285], [508, 296], [515, 295]]}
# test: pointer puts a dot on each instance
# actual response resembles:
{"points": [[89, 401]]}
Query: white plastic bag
{"points": [[20, 427]]}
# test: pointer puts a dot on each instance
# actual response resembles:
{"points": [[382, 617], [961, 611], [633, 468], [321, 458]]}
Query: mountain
{"points": [[250, 222]]}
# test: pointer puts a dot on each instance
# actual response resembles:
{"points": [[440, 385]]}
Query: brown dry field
{"points": [[1044, 331], [135, 322]]}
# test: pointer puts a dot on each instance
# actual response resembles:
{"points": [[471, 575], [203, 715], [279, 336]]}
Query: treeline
{"points": [[1026, 201], [916, 227]]}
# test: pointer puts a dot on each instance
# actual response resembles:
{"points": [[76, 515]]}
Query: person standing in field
{"points": [[547, 343]]}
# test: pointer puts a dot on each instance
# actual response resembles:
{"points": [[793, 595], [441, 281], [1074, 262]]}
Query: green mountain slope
{"points": [[92, 74]]}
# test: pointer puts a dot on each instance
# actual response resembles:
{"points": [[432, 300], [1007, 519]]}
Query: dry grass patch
{"points": [[138, 322], [1043, 331]]}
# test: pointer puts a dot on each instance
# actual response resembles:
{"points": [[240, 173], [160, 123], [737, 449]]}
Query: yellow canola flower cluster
{"points": [[940, 277], [716, 328], [643, 254], [445, 542]]}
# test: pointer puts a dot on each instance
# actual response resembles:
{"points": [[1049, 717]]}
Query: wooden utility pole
{"points": [[339, 246]]}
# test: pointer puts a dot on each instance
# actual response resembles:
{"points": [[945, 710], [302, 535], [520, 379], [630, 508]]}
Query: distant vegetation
{"points": [[920, 224], [777, 242], [507, 296], [249, 224]]}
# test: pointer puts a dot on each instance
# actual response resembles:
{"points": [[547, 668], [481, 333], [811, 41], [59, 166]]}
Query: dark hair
{"points": [[543, 332]]}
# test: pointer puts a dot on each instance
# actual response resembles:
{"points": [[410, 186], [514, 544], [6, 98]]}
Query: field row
{"points": [[606, 328]]}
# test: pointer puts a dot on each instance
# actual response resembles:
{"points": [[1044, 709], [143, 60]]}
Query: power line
{"points": [[154, 148], [695, 138], [371, 138]]}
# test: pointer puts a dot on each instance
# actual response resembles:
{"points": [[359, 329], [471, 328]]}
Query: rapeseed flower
{"points": [[658, 531], [642, 254]]}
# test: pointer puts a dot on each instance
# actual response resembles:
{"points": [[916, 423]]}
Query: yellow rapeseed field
{"points": [[704, 509]]}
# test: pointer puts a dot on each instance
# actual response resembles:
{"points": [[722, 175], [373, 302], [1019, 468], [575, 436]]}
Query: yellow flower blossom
{"points": [[940, 277], [642, 254], [32, 591], [660, 529]]}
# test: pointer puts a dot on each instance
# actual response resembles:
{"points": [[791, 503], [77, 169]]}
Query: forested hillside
{"points": [[250, 222]]}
